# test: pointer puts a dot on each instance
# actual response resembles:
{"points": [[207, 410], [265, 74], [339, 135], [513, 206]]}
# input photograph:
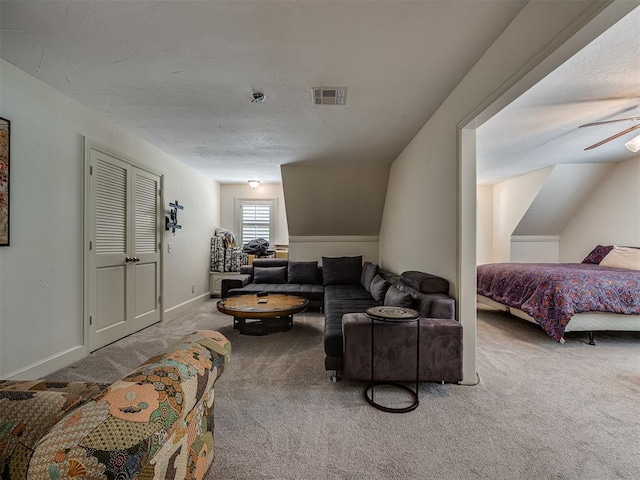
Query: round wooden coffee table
{"points": [[260, 315]]}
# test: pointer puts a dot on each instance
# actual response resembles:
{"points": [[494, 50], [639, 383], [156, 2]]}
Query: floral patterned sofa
{"points": [[155, 423]]}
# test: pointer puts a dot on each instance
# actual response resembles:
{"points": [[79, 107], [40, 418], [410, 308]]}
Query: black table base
{"points": [[369, 399], [263, 326], [393, 315]]}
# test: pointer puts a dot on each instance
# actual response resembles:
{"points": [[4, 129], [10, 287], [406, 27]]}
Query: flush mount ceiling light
{"points": [[258, 97], [254, 183], [329, 95], [633, 145]]}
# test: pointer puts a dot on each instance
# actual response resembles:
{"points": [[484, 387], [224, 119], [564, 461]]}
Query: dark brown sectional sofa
{"points": [[344, 288]]}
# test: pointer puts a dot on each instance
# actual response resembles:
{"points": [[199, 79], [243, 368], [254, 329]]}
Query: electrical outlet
{"points": [[193, 289], [169, 247]]}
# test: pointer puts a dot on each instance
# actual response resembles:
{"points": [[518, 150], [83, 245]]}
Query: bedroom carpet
{"points": [[541, 410]]}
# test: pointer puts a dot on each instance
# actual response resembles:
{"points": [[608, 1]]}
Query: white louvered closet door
{"points": [[124, 256]]}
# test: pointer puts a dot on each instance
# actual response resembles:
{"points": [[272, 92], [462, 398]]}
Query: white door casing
{"points": [[124, 247]]}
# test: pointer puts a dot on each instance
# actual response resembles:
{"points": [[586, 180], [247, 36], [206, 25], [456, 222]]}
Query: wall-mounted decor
{"points": [[4, 182], [172, 223]]}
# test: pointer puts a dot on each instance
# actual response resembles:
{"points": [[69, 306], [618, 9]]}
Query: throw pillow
{"points": [[269, 274], [341, 270], [304, 273], [622, 257], [397, 298], [597, 254], [369, 270], [379, 287]]}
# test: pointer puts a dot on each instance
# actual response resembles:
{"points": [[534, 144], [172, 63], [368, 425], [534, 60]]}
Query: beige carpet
{"points": [[541, 411]]}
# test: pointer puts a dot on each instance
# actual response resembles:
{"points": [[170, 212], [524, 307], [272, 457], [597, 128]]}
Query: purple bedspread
{"points": [[553, 292]]}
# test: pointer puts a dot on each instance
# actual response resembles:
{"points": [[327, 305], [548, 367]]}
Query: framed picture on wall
{"points": [[4, 182]]}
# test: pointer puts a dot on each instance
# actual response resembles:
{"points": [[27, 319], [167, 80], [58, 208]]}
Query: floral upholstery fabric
{"points": [[155, 423], [28, 410], [226, 259], [597, 254]]}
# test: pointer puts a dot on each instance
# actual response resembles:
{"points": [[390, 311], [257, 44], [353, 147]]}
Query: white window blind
{"points": [[256, 221]]}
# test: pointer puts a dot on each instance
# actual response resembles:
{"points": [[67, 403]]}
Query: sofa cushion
{"points": [[333, 312], [425, 282], [303, 272], [346, 293], [379, 287], [369, 270], [270, 275], [341, 270], [270, 262], [397, 298]]}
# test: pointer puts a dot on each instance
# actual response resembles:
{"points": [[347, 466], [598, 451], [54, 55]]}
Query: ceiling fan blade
{"points": [[613, 137], [630, 119]]}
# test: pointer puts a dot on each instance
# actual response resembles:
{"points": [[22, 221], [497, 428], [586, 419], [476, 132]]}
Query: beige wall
{"points": [[334, 200], [484, 224], [611, 215], [511, 200], [424, 212], [229, 192], [41, 273]]}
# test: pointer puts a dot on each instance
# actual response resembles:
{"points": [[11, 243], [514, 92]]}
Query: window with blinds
{"points": [[255, 219]]}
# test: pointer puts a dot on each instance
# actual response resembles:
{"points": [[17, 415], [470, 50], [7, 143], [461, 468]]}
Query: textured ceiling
{"points": [[540, 128], [180, 74]]}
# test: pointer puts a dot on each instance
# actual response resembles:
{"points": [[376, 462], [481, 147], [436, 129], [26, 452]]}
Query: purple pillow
{"points": [[598, 254]]}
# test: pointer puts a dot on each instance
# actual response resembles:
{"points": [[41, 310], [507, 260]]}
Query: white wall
{"points": [[484, 224], [266, 191], [41, 273], [610, 216], [511, 200], [425, 178], [314, 248], [535, 248]]}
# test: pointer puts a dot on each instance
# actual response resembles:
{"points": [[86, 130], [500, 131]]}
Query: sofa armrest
{"points": [[238, 281], [143, 424], [437, 305], [394, 349]]}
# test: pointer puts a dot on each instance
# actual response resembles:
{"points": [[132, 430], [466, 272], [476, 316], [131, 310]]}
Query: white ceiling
{"points": [[180, 74], [540, 128]]}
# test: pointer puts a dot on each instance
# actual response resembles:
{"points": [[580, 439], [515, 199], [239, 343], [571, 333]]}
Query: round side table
{"points": [[393, 315]]}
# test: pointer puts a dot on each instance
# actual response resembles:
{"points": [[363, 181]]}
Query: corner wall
{"points": [[334, 210], [511, 200], [424, 226], [610, 216], [41, 273]]}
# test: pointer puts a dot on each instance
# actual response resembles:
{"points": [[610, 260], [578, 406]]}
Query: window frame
{"points": [[271, 202]]}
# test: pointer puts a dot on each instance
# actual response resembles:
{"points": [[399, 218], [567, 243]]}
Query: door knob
{"points": [[128, 259], [136, 259]]}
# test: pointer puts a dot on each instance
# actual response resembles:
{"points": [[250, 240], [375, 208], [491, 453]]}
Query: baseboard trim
{"points": [[535, 238], [335, 239], [181, 307], [49, 365]]}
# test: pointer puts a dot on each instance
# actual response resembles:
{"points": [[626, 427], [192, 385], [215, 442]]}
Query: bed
{"points": [[564, 297]]}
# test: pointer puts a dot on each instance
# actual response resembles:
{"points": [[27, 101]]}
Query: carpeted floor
{"points": [[541, 411]]}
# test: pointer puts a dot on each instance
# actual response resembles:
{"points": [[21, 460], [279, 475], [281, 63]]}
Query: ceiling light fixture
{"points": [[254, 183], [258, 97], [633, 144]]}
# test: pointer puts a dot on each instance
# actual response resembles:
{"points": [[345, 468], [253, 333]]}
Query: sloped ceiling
{"points": [[564, 191], [540, 128], [180, 74], [334, 200]]}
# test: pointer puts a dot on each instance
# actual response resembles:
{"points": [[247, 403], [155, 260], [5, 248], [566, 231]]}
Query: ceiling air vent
{"points": [[329, 95]]}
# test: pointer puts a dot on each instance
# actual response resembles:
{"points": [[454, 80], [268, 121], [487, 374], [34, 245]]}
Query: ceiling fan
{"points": [[633, 144]]}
